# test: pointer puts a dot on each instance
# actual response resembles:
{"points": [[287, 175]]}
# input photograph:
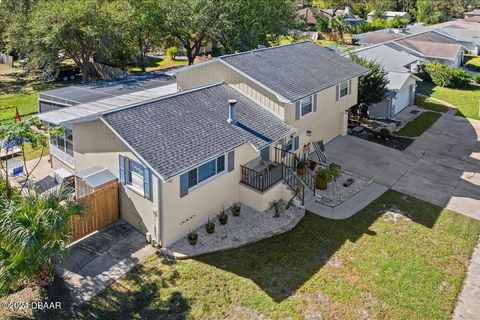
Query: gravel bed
{"points": [[250, 226], [336, 193]]}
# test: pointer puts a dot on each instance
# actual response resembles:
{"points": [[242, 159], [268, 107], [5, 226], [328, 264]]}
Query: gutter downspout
{"points": [[161, 213]]}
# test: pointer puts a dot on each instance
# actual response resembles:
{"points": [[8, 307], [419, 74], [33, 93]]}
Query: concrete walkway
{"points": [[468, 306], [349, 207], [97, 261]]}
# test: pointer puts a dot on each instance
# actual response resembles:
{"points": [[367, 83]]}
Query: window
{"points": [[343, 89], [289, 145], [135, 174], [64, 141], [306, 106], [206, 171]]}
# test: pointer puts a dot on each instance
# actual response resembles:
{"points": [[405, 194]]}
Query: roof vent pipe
{"points": [[232, 116]]}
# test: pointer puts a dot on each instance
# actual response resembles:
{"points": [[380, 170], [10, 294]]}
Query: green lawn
{"points": [[430, 104], [466, 100], [472, 62], [154, 64], [419, 125], [399, 258]]}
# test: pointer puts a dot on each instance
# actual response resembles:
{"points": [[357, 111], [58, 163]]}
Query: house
{"points": [[220, 139], [372, 38], [431, 46], [402, 82], [469, 39], [473, 13], [310, 15], [389, 15]]}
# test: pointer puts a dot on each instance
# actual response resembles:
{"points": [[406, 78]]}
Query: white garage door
{"points": [[402, 99]]}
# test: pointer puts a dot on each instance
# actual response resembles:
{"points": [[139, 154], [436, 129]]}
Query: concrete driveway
{"points": [[98, 260], [442, 166]]}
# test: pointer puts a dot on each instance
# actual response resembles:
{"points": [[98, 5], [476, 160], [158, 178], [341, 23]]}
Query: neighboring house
{"points": [[473, 13], [469, 39], [100, 90], [186, 156], [431, 46], [389, 15], [310, 15], [402, 83]]}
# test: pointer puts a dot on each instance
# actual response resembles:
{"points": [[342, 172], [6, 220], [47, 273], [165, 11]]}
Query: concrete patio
{"points": [[98, 260], [441, 167]]}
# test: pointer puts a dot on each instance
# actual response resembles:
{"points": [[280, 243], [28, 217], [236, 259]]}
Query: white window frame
{"points": [[63, 147], [304, 103], [347, 84], [129, 180]]}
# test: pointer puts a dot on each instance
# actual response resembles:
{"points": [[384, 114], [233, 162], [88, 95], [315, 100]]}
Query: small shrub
{"points": [[172, 52], [335, 169], [223, 217], [384, 133], [192, 237], [210, 226], [276, 206], [477, 78], [325, 173], [235, 208], [321, 183]]}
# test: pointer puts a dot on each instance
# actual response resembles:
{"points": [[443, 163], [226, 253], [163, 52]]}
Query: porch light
{"points": [[309, 133]]}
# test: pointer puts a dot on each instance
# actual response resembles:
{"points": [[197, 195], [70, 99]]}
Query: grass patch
{"points": [[430, 104], [472, 62], [155, 64], [419, 125], [466, 100], [399, 258]]}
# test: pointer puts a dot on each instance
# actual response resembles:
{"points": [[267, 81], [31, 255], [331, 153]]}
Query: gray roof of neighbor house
{"points": [[100, 90], [459, 33], [378, 37], [430, 44], [472, 19], [179, 132], [296, 70], [391, 59]]}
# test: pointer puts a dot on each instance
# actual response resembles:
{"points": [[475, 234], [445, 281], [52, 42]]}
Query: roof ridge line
{"points": [[261, 49]]}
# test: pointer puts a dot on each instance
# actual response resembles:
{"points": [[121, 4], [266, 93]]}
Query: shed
{"points": [[93, 179]]}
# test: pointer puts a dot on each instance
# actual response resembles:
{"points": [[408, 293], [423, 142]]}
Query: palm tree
{"points": [[338, 24], [34, 236]]}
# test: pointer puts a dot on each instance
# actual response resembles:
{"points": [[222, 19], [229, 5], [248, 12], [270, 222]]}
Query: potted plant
{"points": [[192, 237], [210, 226], [321, 183], [302, 165], [276, 206], [312, 165], [223, 217], [235, 208]]}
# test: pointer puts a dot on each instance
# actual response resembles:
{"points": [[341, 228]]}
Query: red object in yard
{"points": [[17, 115]]}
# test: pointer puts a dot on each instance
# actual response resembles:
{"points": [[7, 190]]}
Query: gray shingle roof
{"points": [[179, 132], [391, 59], [295, 71]]}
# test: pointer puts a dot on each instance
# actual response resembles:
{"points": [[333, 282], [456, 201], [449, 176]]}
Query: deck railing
{"points": [[261, 180]]}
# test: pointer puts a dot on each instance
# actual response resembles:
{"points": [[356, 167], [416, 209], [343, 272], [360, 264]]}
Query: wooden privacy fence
{"points": [[101, 209]]}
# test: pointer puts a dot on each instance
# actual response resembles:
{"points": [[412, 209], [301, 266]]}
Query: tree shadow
{"points": [[282, 264], [56, 292]]}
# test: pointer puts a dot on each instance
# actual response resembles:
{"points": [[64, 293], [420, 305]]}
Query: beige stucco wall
{"points": [[96, 145], [193, 210]]}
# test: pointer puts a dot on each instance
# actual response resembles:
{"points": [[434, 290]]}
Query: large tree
{"points": [[372, 87], [191, 22], [67, 29]]}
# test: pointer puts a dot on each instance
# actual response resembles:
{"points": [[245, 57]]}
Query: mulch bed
{"points": [[395, 142]]}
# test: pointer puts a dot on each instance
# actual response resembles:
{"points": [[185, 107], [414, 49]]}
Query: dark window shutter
{"points": [[147, 183], [265, 154], [296, 143], [315, 101], [231, 161], [297, 110], [121, 169], [337, 92], [350, 87], [183, 185]]}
